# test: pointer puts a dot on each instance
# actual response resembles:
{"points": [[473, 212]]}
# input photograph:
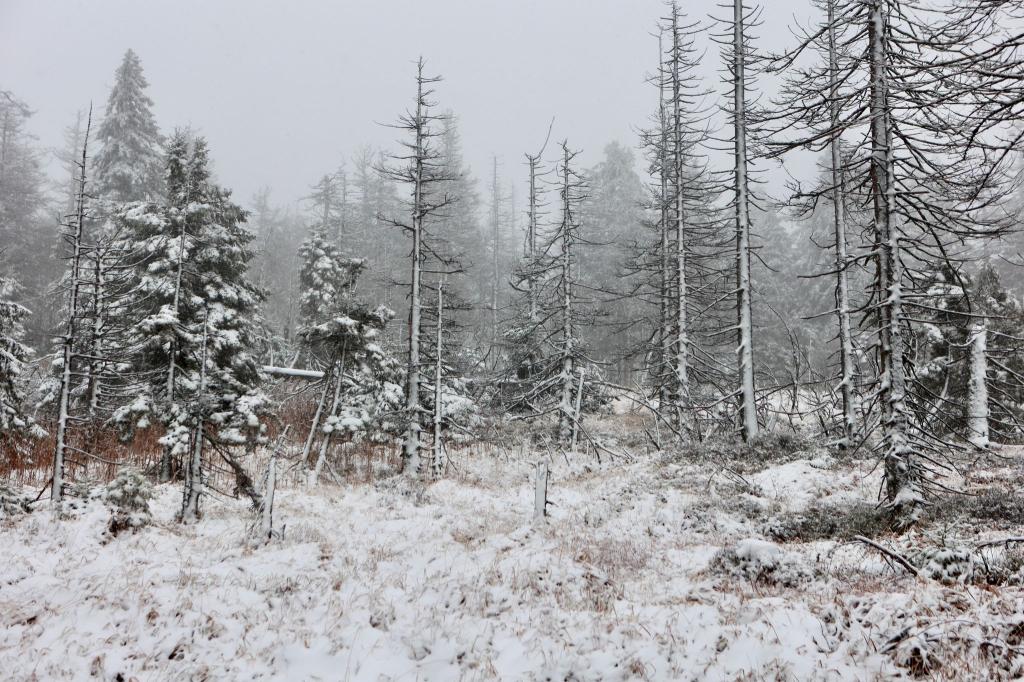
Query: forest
{"points": [[677, 414]]}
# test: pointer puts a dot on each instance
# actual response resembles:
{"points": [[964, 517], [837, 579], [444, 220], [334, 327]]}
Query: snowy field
{"points": [[625, 580]]}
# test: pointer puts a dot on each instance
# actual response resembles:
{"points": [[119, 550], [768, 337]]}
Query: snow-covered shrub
{"points": [[1003, 506], [948, 565], [828, 522], [12, 504], [948, 633], [83, 491], [770, 448], [760, 561], [128, 495], [1005, 568]]}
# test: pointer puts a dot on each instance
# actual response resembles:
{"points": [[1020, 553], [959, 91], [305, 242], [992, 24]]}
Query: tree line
{"points": [[868, 305]]}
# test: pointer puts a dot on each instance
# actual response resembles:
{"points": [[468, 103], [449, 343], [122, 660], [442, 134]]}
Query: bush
{"points": [[992, 504], [1006, 568], [12, 504], [948, 565], [771, 448], [829, 522], [761, 562], [128, 495]]}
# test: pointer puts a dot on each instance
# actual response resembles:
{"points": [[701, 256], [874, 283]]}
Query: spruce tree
{"points": [[198, 313], [28, 236], [128, 165], [13, 355]]}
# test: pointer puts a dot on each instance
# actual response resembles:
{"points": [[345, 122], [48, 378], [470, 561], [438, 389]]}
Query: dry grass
{"points": [[28, 461]]}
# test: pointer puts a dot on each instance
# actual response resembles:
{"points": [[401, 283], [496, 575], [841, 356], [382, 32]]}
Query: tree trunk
{"points": [[680, 356], [665, 297], [977, 403], [435, 452], [902, 478], [744, 350], [313, 476], [568, 351], [311, 437], [194, 470], [64, 400], [411, 447], [166, 457], [846, 384]]}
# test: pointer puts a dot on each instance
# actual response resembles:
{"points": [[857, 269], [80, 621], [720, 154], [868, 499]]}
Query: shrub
{"points": [[771, 448], [948, 565], [829, 522], [760, 561], [12, 504], [992, 504], [128, 495]]}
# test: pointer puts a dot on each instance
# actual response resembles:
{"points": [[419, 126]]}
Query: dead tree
{"points": [[74, 235], [421, 169], [524, 336], [436, 454], [738, 75], [687, 195], [918, 178], [568, 346]]}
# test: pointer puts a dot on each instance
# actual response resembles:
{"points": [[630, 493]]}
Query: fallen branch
{"points": [[898, 558], [1004, 541]]}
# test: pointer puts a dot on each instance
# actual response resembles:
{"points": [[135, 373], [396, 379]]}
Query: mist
{"points": [[286, 91]]}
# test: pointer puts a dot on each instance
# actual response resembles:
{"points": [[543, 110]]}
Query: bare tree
{"points": [[421, 169], [738, 75], [898, 86], [74, 235]]}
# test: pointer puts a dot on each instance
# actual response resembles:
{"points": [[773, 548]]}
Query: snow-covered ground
{"points": [[376, 582]]}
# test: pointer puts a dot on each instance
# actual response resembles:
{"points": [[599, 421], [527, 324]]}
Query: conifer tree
{"points": [[194, 342], [28, 234], [341, 335], [128, 163], [424, 170], [924, 160], [13, 356]]}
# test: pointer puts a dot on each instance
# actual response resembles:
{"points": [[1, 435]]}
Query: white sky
{"points": [[284, 89]]}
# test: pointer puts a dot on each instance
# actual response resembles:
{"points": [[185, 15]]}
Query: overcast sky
{"points": [[284, 90]]}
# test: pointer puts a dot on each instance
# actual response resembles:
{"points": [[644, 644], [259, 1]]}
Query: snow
{"points": [[376, 582]]}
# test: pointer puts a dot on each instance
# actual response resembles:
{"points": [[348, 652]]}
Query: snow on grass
{"points": [[371, 583]]}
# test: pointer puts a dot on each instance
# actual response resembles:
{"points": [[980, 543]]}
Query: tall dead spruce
{"points": [[681, 195], [73, 234], [738, 56], [896, 86], [420, 168]]}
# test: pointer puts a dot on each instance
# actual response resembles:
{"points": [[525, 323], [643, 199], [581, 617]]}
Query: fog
{"points": [[284, 91]]}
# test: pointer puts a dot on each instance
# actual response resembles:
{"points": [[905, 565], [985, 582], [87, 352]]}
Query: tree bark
{"points": [[846, 384], [977, 402], [744, 340]]}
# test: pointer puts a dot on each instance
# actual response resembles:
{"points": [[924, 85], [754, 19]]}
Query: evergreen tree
{"points": [[459, 245], [128, 165], [361, 383], [13, 355], [28, 237], [613, 213], [274, 269], [199, 321], [325, 277]]}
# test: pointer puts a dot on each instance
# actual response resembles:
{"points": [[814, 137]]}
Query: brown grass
{"points": [[29, 461]]}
